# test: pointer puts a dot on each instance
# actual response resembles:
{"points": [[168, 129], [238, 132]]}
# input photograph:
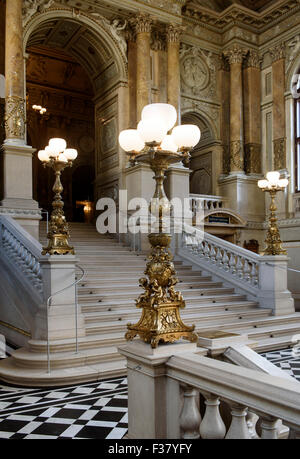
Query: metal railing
{"points": [[77, 280]]}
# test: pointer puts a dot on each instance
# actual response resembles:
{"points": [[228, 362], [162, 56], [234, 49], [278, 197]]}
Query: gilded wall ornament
{"points": [[236, 156], [279, 154], [15, 117], [253, 158]]}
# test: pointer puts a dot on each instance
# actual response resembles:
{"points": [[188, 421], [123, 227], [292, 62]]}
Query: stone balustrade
{"points": [[296, 199], [239, 403], [201, 202], [263, 278]]}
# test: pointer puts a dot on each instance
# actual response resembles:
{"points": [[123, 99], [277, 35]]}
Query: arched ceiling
{"points": [[221, 5], [75, 39]]}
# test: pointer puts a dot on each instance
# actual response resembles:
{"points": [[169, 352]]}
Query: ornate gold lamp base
{"points": [[161, 304], [273, 240], [58, 245]]}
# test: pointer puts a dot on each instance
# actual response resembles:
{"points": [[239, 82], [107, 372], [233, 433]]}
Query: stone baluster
{"points": [[279, 140], [212, 426], [240, 268], [238, 428], [212, 254], [247, 271], [269, 430], [190, 417], [235, 57], [173, 43], [225, 261], [143, 24], [232, 264], [219, 258], [251, 420]]}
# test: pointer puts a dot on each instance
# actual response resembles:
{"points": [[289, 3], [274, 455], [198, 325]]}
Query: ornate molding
{"points": [[236, 156], [158, 42], [253, 158], [279, 154], [173, 33], [253, 60], [235, 55], [30, 7], [142, 22], [15, 117], [278, 52]]}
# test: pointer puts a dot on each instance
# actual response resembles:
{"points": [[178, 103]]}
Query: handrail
{"points": [[16, 329], [76, 313]]}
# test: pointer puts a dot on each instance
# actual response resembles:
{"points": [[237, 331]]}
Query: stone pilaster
{"points": [[173, 44], [14, 71], [142, 24], [235, 57], [279, 122], [252, 97]]}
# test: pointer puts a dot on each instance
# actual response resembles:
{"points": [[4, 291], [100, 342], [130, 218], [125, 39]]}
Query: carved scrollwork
{"points": [[279, 154], [253, 158], [235, 55], [15, 117], [236, 156]]}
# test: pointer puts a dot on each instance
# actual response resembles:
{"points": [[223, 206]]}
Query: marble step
{"points": [[132, 294], [39, 377], [214, 318], [213, 299], [128, 281], [124, 314], [85, 290]]}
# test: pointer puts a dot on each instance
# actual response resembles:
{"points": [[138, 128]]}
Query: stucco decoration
{"points": [[198, 71], [30, 7]]}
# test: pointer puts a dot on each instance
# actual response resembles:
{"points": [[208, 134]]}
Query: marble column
{"points": [[132, 61], [143, 24], [173, 44], [279, 138], [252, 96], [17, 156], [14, 70], [235, 58]]}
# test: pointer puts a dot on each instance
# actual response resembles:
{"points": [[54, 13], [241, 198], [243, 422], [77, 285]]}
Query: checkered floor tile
{"points": [[94, 410], [286, 359]]}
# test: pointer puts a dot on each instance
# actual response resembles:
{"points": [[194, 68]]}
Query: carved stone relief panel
{"points": [[106, 132], [201, 177], [198, 71]]}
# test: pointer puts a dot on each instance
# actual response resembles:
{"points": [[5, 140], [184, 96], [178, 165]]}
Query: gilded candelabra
{"points": [[273, 185], [58, 157], [160, 302]]}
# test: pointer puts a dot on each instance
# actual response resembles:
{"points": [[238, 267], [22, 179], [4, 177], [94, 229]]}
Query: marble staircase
{"points": [[106, 297]]}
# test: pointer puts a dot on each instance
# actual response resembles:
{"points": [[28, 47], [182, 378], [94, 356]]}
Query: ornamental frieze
{"points": [[236, 156], [15, 117], [279, 154]]}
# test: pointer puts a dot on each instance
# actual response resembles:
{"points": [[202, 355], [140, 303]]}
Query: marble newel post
{"points": [[279, 140], [235, 57], [17, 164], [143, 24]]}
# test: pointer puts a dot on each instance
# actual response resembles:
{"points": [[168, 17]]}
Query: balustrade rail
{"points": [[22, 250], [206, 203], [254, 402], [232, 261]]}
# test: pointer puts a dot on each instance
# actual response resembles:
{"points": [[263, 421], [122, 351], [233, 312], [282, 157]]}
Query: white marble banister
{"points": [[166, 370], [264, 278], [206, 202], [23, 250]]}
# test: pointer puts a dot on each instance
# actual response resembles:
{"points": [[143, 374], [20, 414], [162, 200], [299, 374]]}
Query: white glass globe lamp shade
{"points": [[263, 184], [130, 140], [168, 144], [43, 156], [62, 158], [186, 136], [273, 178], [283, 183], [152, 130], [166, 112], [57, 145], [71, 154], [50, 152]]}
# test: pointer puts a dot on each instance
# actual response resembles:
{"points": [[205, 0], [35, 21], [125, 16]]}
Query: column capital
{"points": [[142, 22], [235, 55], [278, 52], [173, 33], [253, 60]]}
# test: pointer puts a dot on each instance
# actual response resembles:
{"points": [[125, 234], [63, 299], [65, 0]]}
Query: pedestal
{"points": [[152, 398], [59, 274], [17, 199]]}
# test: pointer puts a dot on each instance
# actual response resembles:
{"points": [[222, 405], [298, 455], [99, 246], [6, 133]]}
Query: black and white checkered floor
{"points": [[287, 359], [87, 411]]}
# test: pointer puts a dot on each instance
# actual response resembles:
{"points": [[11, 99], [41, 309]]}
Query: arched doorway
{"points": [[77, 69], [205, 162]]}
